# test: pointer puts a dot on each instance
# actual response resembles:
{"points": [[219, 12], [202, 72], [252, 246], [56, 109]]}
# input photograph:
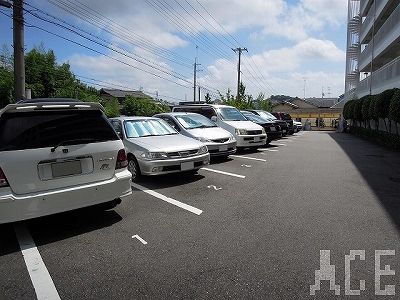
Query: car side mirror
{"points": [[214, 119]]}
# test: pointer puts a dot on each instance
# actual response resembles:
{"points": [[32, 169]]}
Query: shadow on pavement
{"points": [[380, 167], [57, 227]]}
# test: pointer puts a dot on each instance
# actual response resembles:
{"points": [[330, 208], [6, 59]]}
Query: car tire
{"points": [[134, 168]]}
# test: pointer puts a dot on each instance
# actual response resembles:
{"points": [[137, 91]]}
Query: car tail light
{"points": [[122, 160], [3, 179]]}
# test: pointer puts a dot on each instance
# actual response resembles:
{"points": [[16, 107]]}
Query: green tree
{"points": [[246, 101], [112, 108], [348, 109], [142, 107], [373, 111], [365, 109], [394, 108], [357, 110], [262, 103], [382, 105], [207, 98], [228, 98], [40, 72], [6, 77]]}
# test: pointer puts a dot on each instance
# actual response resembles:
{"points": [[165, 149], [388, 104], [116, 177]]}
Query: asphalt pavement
{"points": [[314, 215]]}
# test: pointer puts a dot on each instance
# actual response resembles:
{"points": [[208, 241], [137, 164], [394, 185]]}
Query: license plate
{"points": [[223, 148], [187, 165], [272, 128], [66, 168], [256, 138]]}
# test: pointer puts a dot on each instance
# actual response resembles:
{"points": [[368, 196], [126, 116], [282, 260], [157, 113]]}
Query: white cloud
{"points": [[296, 34]]}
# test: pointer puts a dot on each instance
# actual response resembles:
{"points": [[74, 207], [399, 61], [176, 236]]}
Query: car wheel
{"points": [[133, 167]]}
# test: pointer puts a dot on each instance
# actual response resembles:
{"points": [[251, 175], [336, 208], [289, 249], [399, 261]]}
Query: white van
{"points": [[246, 133]]}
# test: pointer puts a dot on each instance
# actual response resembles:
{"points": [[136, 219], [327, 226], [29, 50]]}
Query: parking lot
{"points": [[248, 227]]}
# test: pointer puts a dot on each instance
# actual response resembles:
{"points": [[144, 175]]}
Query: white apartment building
{"points": [[373, 47]]}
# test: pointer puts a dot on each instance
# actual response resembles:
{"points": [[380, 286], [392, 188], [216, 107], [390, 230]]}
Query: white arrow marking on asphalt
{"points": [[247, 166], [140, 239], [213, 186]]}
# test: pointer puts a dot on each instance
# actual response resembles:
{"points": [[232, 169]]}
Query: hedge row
{"points": [[385, 106]]}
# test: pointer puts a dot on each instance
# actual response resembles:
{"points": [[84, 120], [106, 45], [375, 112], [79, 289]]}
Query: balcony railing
{"points": [[380, 39], [385, 78]]}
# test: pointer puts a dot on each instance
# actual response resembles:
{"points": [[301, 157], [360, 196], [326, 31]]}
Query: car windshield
{"points": [[231, 114], [195, 121], [266, 115], [147, 127], [254, 118]]}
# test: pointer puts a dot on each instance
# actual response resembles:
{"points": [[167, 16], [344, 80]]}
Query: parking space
{"points": [[241, 228]]}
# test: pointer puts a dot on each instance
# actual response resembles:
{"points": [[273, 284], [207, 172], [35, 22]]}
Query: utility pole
{"points": [[5, 4], [305, 83], [19, 64], [194, 80], [199, 95], [238, 81]]}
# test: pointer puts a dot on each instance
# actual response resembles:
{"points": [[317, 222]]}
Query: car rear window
{"points": [[39, 129], [286, 116]]}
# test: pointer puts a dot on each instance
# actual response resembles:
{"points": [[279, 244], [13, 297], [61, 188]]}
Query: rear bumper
{"points": [[21, 207]]}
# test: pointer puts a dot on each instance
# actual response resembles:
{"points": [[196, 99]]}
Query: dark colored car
{"points": [[270, 117], [285, 117], [272, 129]]}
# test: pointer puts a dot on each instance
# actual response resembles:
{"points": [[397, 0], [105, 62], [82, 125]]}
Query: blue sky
{"points": [[295, 48]]}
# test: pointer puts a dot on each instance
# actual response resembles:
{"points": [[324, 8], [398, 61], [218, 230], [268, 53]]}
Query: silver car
{"points": [[153, 147], [218, 140]]}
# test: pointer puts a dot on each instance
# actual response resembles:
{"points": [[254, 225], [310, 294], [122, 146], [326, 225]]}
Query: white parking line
{"points": [[270, 150], [225, 173], [280, 144], [167, 199], [248, 157], [40, 277]]}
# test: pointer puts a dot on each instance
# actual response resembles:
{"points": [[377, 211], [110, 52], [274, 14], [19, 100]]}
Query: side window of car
{"points": [[171, 123], [118, 127], [208, 112]]}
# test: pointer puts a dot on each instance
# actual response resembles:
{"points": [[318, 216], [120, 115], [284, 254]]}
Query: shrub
{"points": [[348, 109], [357, 110], [365, 108]]}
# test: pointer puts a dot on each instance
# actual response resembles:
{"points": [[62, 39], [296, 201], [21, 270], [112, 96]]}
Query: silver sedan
{"points": [[219, 141], [154, 148]]}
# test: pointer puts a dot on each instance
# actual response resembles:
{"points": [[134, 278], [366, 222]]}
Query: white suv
{"points": [[58, 155]]}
